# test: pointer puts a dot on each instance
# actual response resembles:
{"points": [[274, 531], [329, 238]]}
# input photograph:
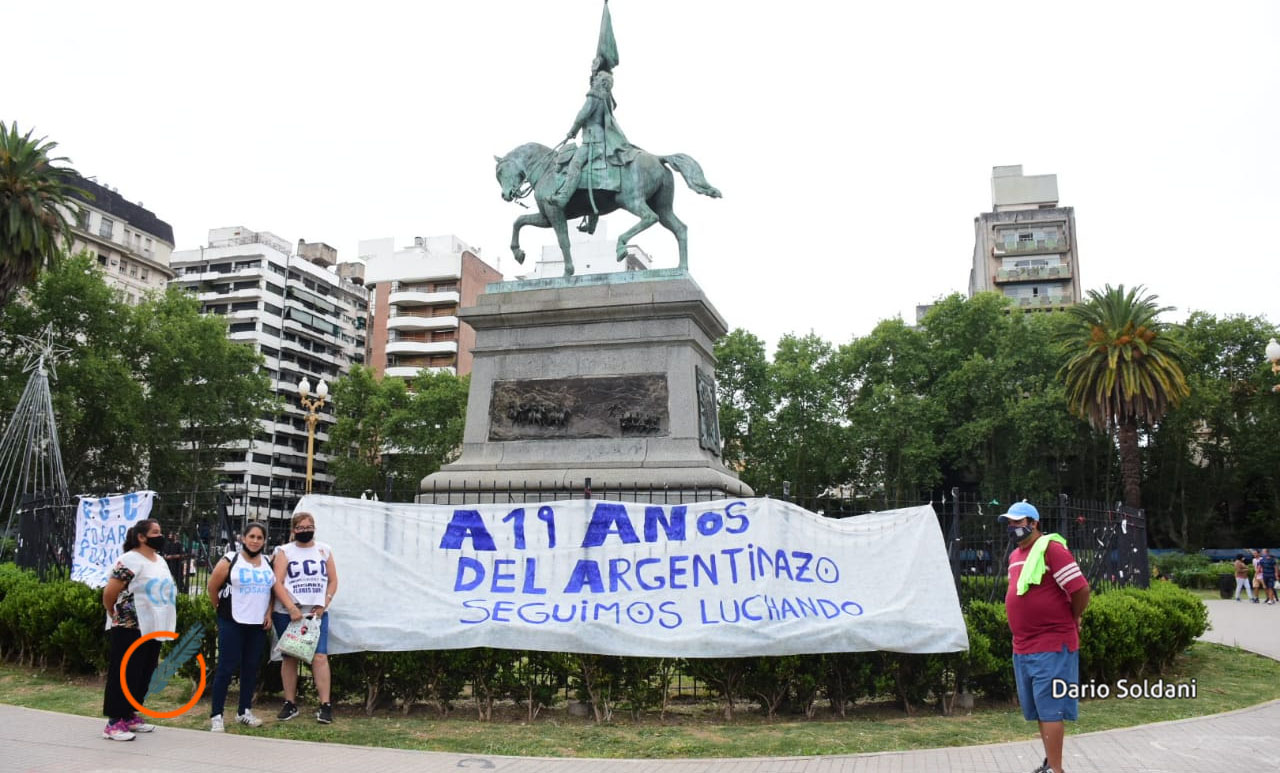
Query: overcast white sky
{"points": [[853, 141]]}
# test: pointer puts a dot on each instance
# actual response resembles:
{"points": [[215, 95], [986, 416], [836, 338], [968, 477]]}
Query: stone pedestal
{"points": [[602, 377]]}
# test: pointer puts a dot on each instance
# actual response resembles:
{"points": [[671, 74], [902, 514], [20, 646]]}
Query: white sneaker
{"points": [[215, 724], [117, 731], [247, 718]]}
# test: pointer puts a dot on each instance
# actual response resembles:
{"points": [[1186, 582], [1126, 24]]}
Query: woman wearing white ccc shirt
{"points": [[242, 582], [306, 582]]}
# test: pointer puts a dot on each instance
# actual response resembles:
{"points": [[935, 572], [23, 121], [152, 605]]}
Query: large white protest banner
{"points": [[101, 524], [710, 579]]}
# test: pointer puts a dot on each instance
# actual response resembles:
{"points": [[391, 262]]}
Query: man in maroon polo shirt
{"points": [[1044, 610]]}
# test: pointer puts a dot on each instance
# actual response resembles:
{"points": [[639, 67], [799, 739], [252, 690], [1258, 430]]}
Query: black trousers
{"points": [[138, 673]]}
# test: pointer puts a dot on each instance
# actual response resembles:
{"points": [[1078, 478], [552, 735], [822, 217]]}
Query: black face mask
{"points": [[252, 553], [304, 536], [155, 543]]}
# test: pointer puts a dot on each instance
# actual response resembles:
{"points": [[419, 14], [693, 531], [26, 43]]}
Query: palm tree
{"points": [[1125, 368], [36, 213]]}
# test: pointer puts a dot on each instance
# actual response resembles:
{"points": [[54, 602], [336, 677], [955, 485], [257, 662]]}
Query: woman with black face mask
{"points": [[240, 590], [306, 582], [139, 598]]}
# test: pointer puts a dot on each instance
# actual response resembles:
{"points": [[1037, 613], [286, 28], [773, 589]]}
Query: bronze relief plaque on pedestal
{"points": [[573, 408]]}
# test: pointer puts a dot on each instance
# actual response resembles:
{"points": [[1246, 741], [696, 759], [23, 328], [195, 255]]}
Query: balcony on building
{"points": [[418, 318], [417, 297], [1029, 240], [409, 346], [1032, 273]]}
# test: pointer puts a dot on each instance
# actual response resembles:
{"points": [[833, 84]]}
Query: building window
{"points": [[147, 249], [82, 219], [105, 227], [102, 259], [124, 267], [133, 271], [145, 273]]}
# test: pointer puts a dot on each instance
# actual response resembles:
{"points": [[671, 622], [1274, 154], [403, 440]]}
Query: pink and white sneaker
{"points": [[118, 731], [137, 724]]}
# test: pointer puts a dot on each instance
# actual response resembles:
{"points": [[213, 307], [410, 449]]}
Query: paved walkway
{"points": [[43, 741]]}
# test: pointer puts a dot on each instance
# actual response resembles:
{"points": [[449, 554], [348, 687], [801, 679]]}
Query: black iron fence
{"points": [[1108, 541]]}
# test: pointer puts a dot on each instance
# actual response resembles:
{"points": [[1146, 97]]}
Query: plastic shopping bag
{"points": [[300, 639]]}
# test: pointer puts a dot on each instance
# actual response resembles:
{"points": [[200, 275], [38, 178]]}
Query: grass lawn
{"points": [[1226, 679]]}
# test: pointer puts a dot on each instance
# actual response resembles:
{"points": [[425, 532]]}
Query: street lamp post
{"points": [[1273, 354], [311, 405]]}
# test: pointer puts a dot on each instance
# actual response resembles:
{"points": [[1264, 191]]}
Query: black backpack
{"points": [[224, 595]]}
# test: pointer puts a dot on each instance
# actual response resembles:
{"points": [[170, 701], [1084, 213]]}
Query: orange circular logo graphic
{"points": [[124, 683]]}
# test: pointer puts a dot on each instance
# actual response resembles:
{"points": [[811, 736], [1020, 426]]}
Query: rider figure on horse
{"points": [[601, 136]]}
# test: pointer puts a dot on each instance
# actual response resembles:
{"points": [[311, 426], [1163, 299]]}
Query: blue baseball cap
{"points": [[1022, 509]]}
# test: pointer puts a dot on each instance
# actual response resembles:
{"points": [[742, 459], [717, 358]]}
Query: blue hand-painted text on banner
{"points": [[708, 579], [101, 525]]}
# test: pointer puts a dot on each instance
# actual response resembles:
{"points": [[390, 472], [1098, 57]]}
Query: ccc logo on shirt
{"points": [[308, 568]]}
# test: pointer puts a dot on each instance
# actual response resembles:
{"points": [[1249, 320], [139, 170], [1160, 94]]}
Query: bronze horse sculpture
{"points": [[647, 191]]}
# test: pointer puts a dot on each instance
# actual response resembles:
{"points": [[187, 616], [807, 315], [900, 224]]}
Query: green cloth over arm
{"points": [[1033, 570]]}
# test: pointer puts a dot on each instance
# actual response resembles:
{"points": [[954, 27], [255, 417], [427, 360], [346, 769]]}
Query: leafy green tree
{"points": [[388, 433], [144, 395], [805, 444], [1212, 460], [35, 208], [893, 425], [1125, 369], [97, 401], [744, 395], [362, 407], [202, 388]]}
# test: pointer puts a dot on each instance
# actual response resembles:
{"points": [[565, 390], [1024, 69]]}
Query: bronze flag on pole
{"points": [[607, 47]]}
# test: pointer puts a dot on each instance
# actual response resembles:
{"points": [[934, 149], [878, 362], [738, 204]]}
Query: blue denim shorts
{"points": [[1035, 674], [281, 621]]}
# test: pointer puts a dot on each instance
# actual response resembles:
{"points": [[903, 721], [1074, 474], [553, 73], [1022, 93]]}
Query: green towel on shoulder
{"points": [[1033, 570]]}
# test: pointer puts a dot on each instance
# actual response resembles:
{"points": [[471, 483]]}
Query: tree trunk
{"points": [[1130, 463]]}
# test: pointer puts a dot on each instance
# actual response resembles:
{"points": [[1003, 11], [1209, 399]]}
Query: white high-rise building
{"points": [[307, 320]]}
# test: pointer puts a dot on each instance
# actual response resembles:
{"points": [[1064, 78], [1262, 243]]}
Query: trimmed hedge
{"points": [[1194, 570], [1127, 633]]}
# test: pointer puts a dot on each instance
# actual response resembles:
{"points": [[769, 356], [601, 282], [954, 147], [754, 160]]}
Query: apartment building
{"points": [[1025, 248], [131, 245], [414, 297], [307, 315]]}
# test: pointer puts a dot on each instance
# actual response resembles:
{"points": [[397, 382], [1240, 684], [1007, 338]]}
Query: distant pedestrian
{"points": [[1045, 602], [175, 557], [1257, 571], [139, 599], [1242, 579], [1268, 566]]}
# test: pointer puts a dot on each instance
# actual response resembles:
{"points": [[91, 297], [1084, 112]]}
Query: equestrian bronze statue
{"points": [[603, 174]]}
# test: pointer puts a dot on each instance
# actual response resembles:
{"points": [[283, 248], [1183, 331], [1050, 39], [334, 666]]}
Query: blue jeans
{"points": [[239, 647]]}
